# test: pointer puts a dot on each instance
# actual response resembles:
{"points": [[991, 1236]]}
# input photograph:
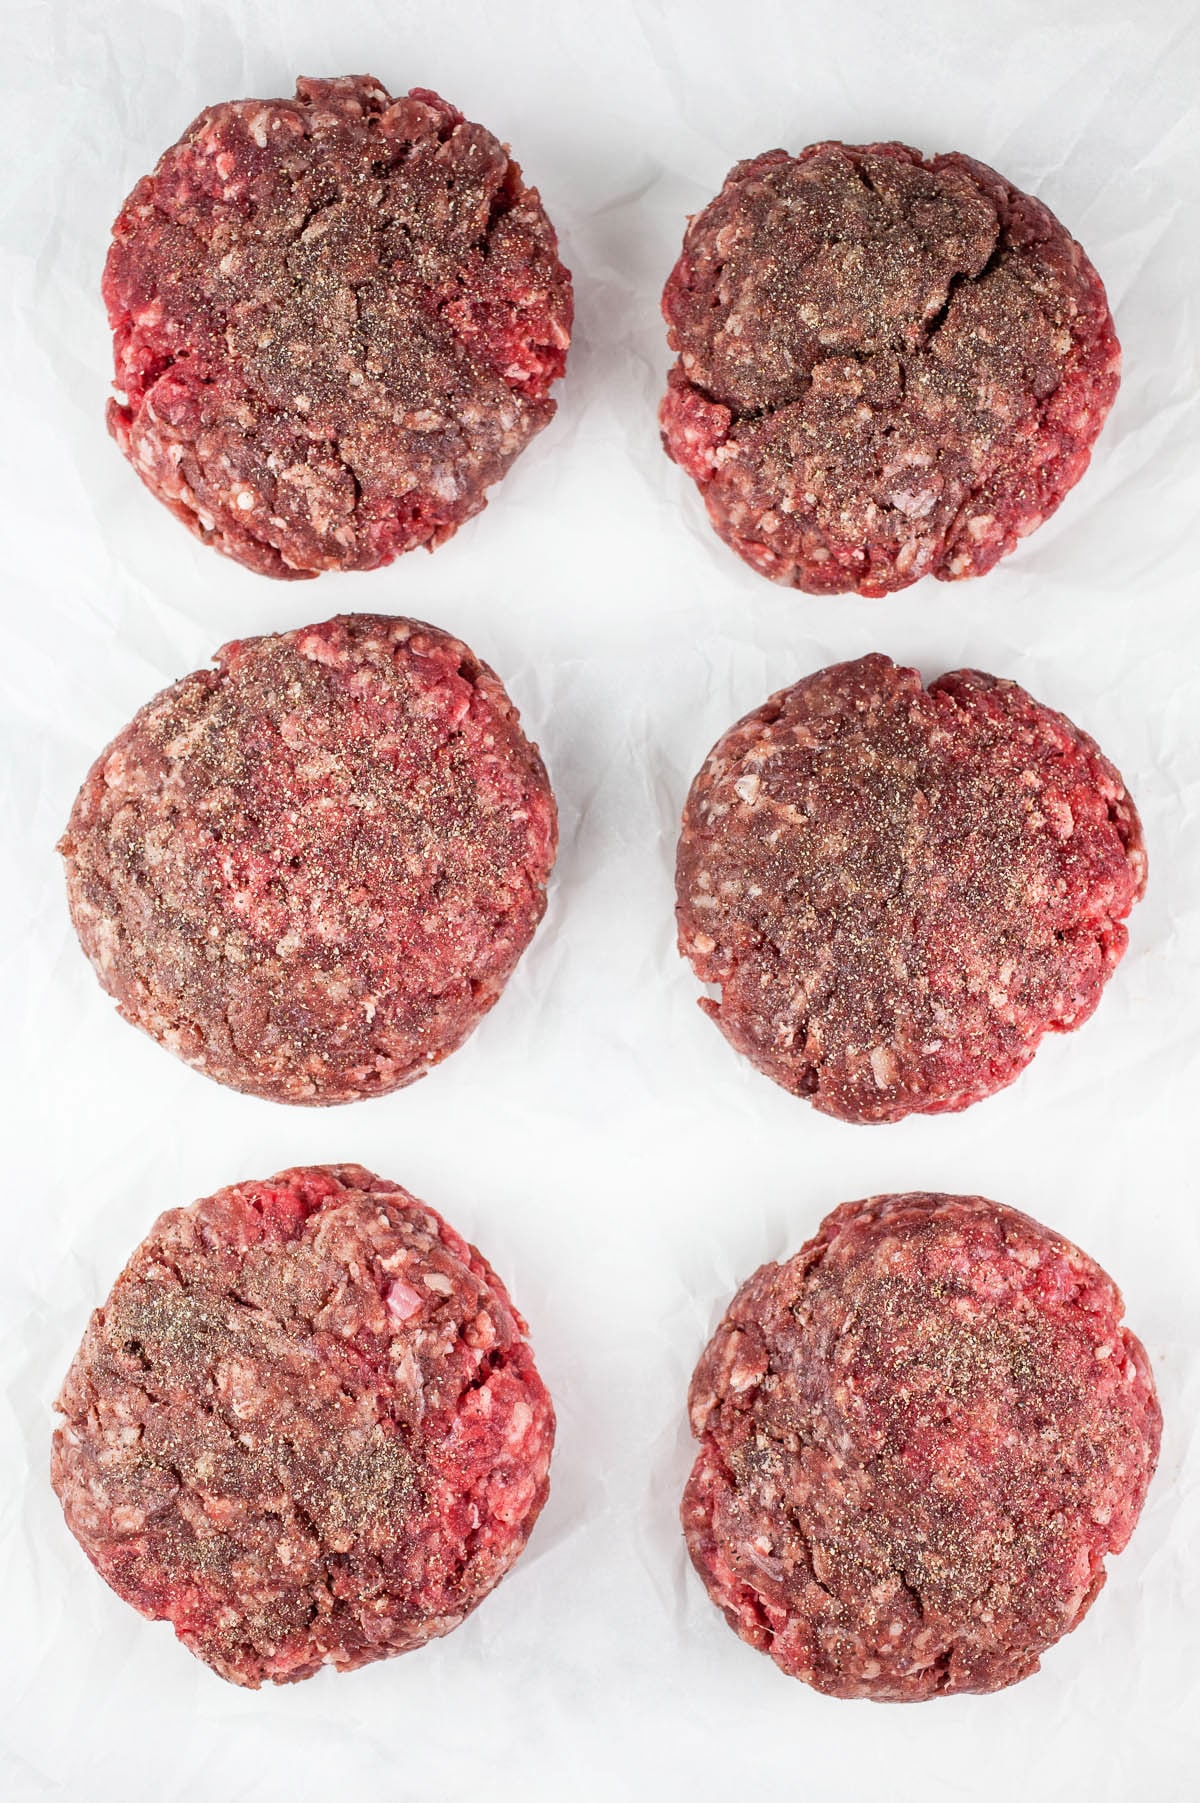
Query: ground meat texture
{"points": [[889, 366], [919, 1438], [336, 322], [306, 1428], [310, 871], [899, 890]]}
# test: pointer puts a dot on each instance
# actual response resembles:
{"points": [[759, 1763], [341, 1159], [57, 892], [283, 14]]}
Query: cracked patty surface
{"points": [[888, 366], [311, 870], [899, 890], [919, 1439], [306, 1427], [336, 322]]}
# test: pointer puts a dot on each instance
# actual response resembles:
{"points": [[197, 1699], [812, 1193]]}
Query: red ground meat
{"points": [[305, 1429], [919, 1438], [888, 366], [336, 323], [899, 890], [310, 871]]}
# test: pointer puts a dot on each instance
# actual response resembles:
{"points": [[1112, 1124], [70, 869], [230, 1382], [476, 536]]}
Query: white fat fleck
{"points": [[402, 1300], [521, 1418], [435, 1280], [915, 503], [245, 500], [747, 787]]}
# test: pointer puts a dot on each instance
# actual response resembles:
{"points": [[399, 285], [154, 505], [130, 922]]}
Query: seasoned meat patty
{"points": [[310, 871], [899, 890], [889, 366], [336, 322], [305, 1429], [919, 1438]]}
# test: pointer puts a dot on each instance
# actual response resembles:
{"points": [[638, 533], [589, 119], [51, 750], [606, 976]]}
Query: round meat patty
{"points": [[336, 322], [919, 1438], [888, 366], [899, 890], [305, 1429], [310, 871]]}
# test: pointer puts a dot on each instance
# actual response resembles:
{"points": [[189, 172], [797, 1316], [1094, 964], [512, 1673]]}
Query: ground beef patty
{"points": [[919, 1438], [305, 1428], [310, 871], [888, 366], [898, 890], [336, 323]]}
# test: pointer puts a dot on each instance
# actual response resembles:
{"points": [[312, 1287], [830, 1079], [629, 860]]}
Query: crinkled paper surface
{"points": [[597, 1138]]}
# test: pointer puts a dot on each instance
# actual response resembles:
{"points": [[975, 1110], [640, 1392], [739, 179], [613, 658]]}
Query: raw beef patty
{"points": [[310, 871], [305, 1429], [888, 366], [919, 1438], [899, 890], [336, 322]]}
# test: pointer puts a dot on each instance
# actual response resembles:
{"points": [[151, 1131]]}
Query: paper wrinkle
{"points": [[612, 1156]]}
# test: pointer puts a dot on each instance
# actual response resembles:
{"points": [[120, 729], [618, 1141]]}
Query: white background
{"points": [[613, 1157]]}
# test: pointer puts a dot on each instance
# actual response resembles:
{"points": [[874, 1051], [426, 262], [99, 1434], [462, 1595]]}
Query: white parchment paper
{"points": [[622, 1168]]}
